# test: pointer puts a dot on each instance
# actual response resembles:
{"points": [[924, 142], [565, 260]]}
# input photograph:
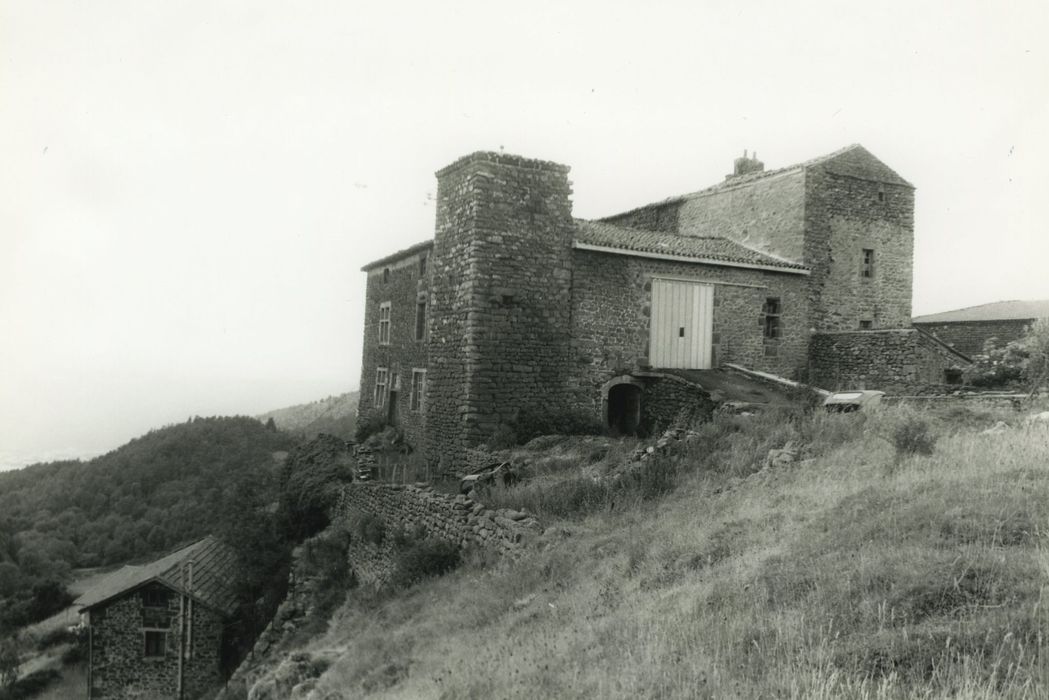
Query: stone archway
{"points": [[622, 403]]}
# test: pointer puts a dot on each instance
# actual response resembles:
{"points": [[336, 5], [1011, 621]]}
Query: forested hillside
{"points": [[334, 415], [163, 489]]}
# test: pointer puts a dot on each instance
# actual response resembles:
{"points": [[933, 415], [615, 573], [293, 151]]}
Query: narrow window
{"points": [[881, 196], [865, 325], [156, 643], [154, 598], [415, 403], [422, 266], [420, 319], [381, 378], [384, 323], [771, 311], [385, 275], [867, 270]]}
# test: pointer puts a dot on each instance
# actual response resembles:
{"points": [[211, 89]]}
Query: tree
{"points": [[9, 662], [1036, 341]]}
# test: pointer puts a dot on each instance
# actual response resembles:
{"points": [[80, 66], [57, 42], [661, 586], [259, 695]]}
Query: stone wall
{"points": [[894, 361], [968, 337], [668, 401], [766, 214], [501, 297], [119, 667], [843, 215], [404, 283], [456, 519], [611, 305]]}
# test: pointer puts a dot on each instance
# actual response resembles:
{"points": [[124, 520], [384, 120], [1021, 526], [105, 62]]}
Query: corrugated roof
{"points": [[214, 575], [1015, 310], [394, 257], [715, 250]]}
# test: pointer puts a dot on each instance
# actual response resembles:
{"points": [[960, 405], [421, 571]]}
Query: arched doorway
{"points": [[624, 408]]}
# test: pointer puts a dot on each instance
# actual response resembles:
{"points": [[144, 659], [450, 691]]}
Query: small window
{"points": [[771, 312], [422, 266], [384, 323], [156, 643], [418, 390], [865, 325], [867, 270], [382, 375], [420, 319], [154, 598], [953, 375], [881, 196], [385, 275]]}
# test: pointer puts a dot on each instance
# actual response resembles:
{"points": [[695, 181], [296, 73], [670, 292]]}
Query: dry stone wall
{"points": [[894, 361], [459, 520], [969, 336]]}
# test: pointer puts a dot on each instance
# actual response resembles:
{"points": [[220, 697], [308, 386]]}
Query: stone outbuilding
{"points": [[967, 330], [516, 308], [157, 630]]}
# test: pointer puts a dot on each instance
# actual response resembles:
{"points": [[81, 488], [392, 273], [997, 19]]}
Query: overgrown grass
{"points": [[836, 576]]}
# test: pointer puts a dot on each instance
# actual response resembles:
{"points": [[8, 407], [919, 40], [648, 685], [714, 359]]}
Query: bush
{"points": [[531, 423], [309, 485], [370, 424], [425, 559], [913, 437], [367, 527]]}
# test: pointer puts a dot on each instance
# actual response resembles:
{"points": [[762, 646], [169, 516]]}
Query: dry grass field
{"points": [[858, 571]]}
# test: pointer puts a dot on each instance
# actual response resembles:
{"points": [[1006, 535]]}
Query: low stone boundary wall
{"points": [[456, 519]]}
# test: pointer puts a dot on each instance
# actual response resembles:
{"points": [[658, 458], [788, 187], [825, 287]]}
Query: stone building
{"points": [[966, 330], [156, 631], [515, 307]]}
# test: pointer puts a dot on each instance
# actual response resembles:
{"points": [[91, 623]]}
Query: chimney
{"points": [[746, 165]]}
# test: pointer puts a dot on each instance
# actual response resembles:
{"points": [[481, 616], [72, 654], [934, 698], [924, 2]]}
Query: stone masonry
{"points": [[456, 519], [121, 670], [532, 311]]}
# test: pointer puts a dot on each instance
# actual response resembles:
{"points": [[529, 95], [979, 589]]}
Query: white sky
{"points": [[190, 188]]}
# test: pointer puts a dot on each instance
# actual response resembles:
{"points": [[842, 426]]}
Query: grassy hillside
{"points": [[165, 488], [857, 571], [334, 415]]}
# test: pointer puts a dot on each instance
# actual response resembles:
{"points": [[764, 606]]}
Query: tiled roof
{"points": [[997, 311], [393, 257], [713, 250], [214, 575]]}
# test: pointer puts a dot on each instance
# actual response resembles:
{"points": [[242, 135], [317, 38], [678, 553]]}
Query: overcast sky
{"points": [[190, 188]]}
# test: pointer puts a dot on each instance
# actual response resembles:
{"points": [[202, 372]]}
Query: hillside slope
{"points": [[165, 488], [849, 573], [334, 415]]}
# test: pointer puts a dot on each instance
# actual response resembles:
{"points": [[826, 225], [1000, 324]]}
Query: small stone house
{"points": [[966, 330], [157, 630], [515, 307]]}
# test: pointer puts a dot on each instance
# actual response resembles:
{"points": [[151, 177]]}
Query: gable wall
{"points": [[119, 668], [843, 215], [403, 290], [611, 306]]}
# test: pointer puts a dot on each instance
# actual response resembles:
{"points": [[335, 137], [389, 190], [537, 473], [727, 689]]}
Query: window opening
{"points": [[422, 266], [772, 311], [156, 643], [385, 275], [867, 270], [420, 319], [865, 325], [384, 323], [381, 379], [415, 402]]}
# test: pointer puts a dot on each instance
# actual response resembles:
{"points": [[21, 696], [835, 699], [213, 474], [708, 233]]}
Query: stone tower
{"points": [[500, 301]]}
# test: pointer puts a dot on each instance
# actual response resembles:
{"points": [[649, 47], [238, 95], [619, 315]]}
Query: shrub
{"points": [[913, 437], [424, 559], [370, 424], [367, 527], [503, 437], [309, 485], [533, 423]]}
